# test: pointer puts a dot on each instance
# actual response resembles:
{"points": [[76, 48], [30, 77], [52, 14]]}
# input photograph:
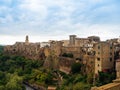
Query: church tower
{"points": [[27, 40]]}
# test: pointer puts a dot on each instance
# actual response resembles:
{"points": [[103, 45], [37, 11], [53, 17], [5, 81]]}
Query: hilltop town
{"points": [[94, 55]]}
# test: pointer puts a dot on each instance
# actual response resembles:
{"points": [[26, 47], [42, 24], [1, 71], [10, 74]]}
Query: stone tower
{"points": [[27, 40], [72, 40]]}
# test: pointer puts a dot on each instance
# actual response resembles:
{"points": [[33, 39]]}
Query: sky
{"points": [[44, 20]]}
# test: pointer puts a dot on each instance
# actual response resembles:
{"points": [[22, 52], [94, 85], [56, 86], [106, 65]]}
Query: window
{"points": [[110, 47], [110, 53], [110, 59], [98, 59], [98, 47], [98, 52], [98, 65]]}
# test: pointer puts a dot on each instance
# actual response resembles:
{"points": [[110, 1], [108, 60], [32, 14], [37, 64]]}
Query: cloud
{"points": [[56, 19]]}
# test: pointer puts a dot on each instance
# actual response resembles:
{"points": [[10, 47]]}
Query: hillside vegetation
{"points": [[15, 69]]}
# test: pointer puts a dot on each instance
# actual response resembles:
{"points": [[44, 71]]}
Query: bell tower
{"points": [[27, 40]]}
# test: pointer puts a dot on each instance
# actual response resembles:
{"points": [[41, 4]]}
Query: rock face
{"points": [[52, 61], [65, 64], [29, 50]]}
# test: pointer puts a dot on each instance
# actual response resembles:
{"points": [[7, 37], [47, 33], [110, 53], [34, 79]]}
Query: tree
{"points": [[70, 55], [1, 48], [75, 68], [81, 86], [79, 78], [105, 77], [2, 78], [14, 83], [90, 78]]}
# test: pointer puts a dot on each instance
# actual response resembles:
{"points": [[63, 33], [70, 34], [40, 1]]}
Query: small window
{"points": [[98, 47], [110, 59], [98, 52], [98, 65], [98, 59], [111, 47], [110, 53]]}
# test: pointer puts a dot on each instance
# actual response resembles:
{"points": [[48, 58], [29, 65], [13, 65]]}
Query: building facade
{"points": [[104, 57]]}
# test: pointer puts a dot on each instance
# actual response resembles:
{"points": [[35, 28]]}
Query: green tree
{"points": [[105, 77], [90, 78], [14, 83], [79, 78], [81, 86], [75, 68]]}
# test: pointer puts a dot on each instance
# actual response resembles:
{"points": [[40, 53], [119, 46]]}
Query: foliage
{"points": [[10, 81], [76, 68], [81, 86], [70, 55], [14, 83], [1, 48], [79, 78], [15, 69], [90, 78], [105, 77]]}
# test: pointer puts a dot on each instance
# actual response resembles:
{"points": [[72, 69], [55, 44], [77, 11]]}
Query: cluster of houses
{"points": [[96, 55]]}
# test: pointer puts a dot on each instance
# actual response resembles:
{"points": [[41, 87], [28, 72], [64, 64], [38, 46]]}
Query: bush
{"points": [[75, 68], [81, 86], [70, 55], [105, 77]]}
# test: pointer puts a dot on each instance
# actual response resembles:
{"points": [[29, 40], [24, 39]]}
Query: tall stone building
{"points": [[77, 42], [72, 40], [104, 57], [27, 40]]}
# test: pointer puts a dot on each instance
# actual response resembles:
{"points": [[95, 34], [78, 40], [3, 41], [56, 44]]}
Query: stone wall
{"points": [[65, 64], [76, 51], [111, 86], [89, 63], [31, 50]]}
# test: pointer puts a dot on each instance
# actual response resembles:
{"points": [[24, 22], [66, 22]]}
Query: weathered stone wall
{"points": [[104, 56], [110, 86], [56, 46], [65, 64], [118, 68], [31, 50], [76, 51], [89, 63]]}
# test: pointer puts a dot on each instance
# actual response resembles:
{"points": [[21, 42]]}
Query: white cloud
{"points": [[56, 19]]}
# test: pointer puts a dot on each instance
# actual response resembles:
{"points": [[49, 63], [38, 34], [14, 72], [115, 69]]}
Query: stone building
{"points": [[56, 47], [115, 85], [77, 42], [75, 51], [104, 57], [89, 64], [94, 38], [81, 42], [27, 49], [118, 69], [44, 44], [65, 43]]}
